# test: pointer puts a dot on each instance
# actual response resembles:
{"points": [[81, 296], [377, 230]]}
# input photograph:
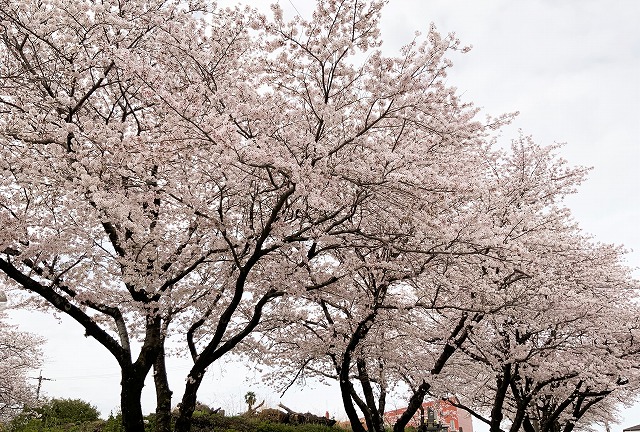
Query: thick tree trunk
{"points": [[189, 399], [516, 424], [522, 399], [346, 386], [414, 404], [215, 349], [528, 425], [458, 335], [163, 395], [133, 376], [374, 418], [130, 405], [352, 414], [502, 386]]}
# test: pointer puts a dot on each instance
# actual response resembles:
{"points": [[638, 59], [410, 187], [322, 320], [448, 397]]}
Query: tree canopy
{"points": [[20, 356], [217, 176]]}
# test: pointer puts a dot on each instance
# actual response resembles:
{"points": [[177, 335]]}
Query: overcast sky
{"points": [[572, 69]]}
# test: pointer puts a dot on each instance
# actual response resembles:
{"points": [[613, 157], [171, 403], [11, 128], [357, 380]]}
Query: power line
{"points": [[294, 6], [105, 374], [80, 377]]}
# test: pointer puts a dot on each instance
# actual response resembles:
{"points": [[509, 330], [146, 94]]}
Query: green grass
{"points": [[202, 422], [213, 422]]}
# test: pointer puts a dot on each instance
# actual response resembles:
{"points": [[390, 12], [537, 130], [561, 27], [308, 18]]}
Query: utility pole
{"points": [[40, 378]]}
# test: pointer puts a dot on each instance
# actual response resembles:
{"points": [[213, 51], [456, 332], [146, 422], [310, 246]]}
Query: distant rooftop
{"points": [[632, 428]]}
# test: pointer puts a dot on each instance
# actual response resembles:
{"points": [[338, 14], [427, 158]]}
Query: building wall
{"points": [[464, 420], [445, 413]]}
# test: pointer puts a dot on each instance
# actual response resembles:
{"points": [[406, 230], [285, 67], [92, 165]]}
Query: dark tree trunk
{"points": [[582, 405], [345, 392], [163, 394], [502, 386], [414, 404], [130, 395], [528, 425], [346, 386], [457, 337], [375, 422], [189, 398], [522, 396], [519, 417], [133, 376]]}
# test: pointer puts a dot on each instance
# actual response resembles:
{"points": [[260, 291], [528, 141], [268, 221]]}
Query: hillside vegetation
{"points": [[74, 415]]}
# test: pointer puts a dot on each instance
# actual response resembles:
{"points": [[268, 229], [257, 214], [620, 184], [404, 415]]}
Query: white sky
{"points": [[571, 68]]}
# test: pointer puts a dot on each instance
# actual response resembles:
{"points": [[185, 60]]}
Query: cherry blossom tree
{"points": [[570, 342], [165, 167], [370, 342], [107, 189], [418, 143], [20, 355], [170, 169], [528, 296], [552, 377], [558, 368], [385, 131]]}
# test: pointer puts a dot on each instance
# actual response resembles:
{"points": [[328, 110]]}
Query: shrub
{"points": [[66, 411], [57, 415]]}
